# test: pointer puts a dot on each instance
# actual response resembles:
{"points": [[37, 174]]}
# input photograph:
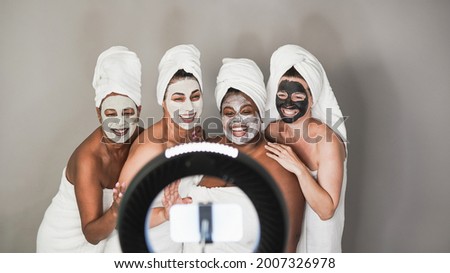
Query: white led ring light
{"points": [[210, 159]]}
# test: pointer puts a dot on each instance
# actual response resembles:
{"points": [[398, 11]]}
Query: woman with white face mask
{"points": [[179, 92], [83, 213]]}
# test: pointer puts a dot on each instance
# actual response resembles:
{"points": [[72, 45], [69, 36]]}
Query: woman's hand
{"points": [[285, 156], [172, 197], [118, 191]]}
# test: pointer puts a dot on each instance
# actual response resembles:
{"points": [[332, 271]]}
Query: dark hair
{"points": [[292, 72], [234, 91], [179, 75], [229, 92]]}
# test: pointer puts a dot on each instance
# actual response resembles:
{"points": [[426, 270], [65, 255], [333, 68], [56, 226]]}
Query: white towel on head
{"points": [[186, 57], [312, 71], [118, 70], [244, 75]]}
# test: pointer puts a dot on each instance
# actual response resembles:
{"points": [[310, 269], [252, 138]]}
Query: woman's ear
{"points": [[139, 110]]}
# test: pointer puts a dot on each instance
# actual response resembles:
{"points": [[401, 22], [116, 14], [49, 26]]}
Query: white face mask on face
{"points": [[119, 118], [184, 102], [241, 122]]}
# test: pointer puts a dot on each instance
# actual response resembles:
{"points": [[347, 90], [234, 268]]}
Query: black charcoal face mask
{"points": [[288, 109]]}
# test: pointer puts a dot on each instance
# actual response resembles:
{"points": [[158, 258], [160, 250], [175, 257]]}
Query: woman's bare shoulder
{"points": [[330, 142], [87, 157]]}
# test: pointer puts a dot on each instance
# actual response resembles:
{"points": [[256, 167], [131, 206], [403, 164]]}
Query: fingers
{"points": [[119, 190], [280, 150], [173, 191], [277, 150], [123, 187], [171, 194], [275, 147], [274, 157], [186, 200], [167, 197], [172, 188], [171, 197], [272, 150]]}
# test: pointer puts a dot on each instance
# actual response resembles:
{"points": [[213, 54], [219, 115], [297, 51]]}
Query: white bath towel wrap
{"points": [[118, 70], [244, 75], [186, 57], [60, 229]]}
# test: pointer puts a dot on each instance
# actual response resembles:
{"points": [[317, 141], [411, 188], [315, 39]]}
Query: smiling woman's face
{"points": [[184, 102], [119, 117], [240, 118], [292, 99]]}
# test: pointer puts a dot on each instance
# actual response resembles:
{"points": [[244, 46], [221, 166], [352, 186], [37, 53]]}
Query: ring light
{"points": [[212, 159]]}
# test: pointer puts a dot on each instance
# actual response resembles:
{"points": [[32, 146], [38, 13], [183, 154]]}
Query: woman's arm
{"points": [[322, 195], [140, 154], [95, 224]]}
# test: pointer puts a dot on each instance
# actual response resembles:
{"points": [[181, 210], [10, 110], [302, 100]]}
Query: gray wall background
{"points": [[388, 62]]}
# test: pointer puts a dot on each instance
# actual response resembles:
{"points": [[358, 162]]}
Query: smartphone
{"points": [[226, 222]]}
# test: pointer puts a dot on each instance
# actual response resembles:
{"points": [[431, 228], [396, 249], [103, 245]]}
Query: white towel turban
{"points": [[186, 57], [118, 70], [245, 76], [312, 71]]}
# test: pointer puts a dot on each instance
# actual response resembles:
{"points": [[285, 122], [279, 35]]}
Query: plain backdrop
{"points": [[388, 63]]}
